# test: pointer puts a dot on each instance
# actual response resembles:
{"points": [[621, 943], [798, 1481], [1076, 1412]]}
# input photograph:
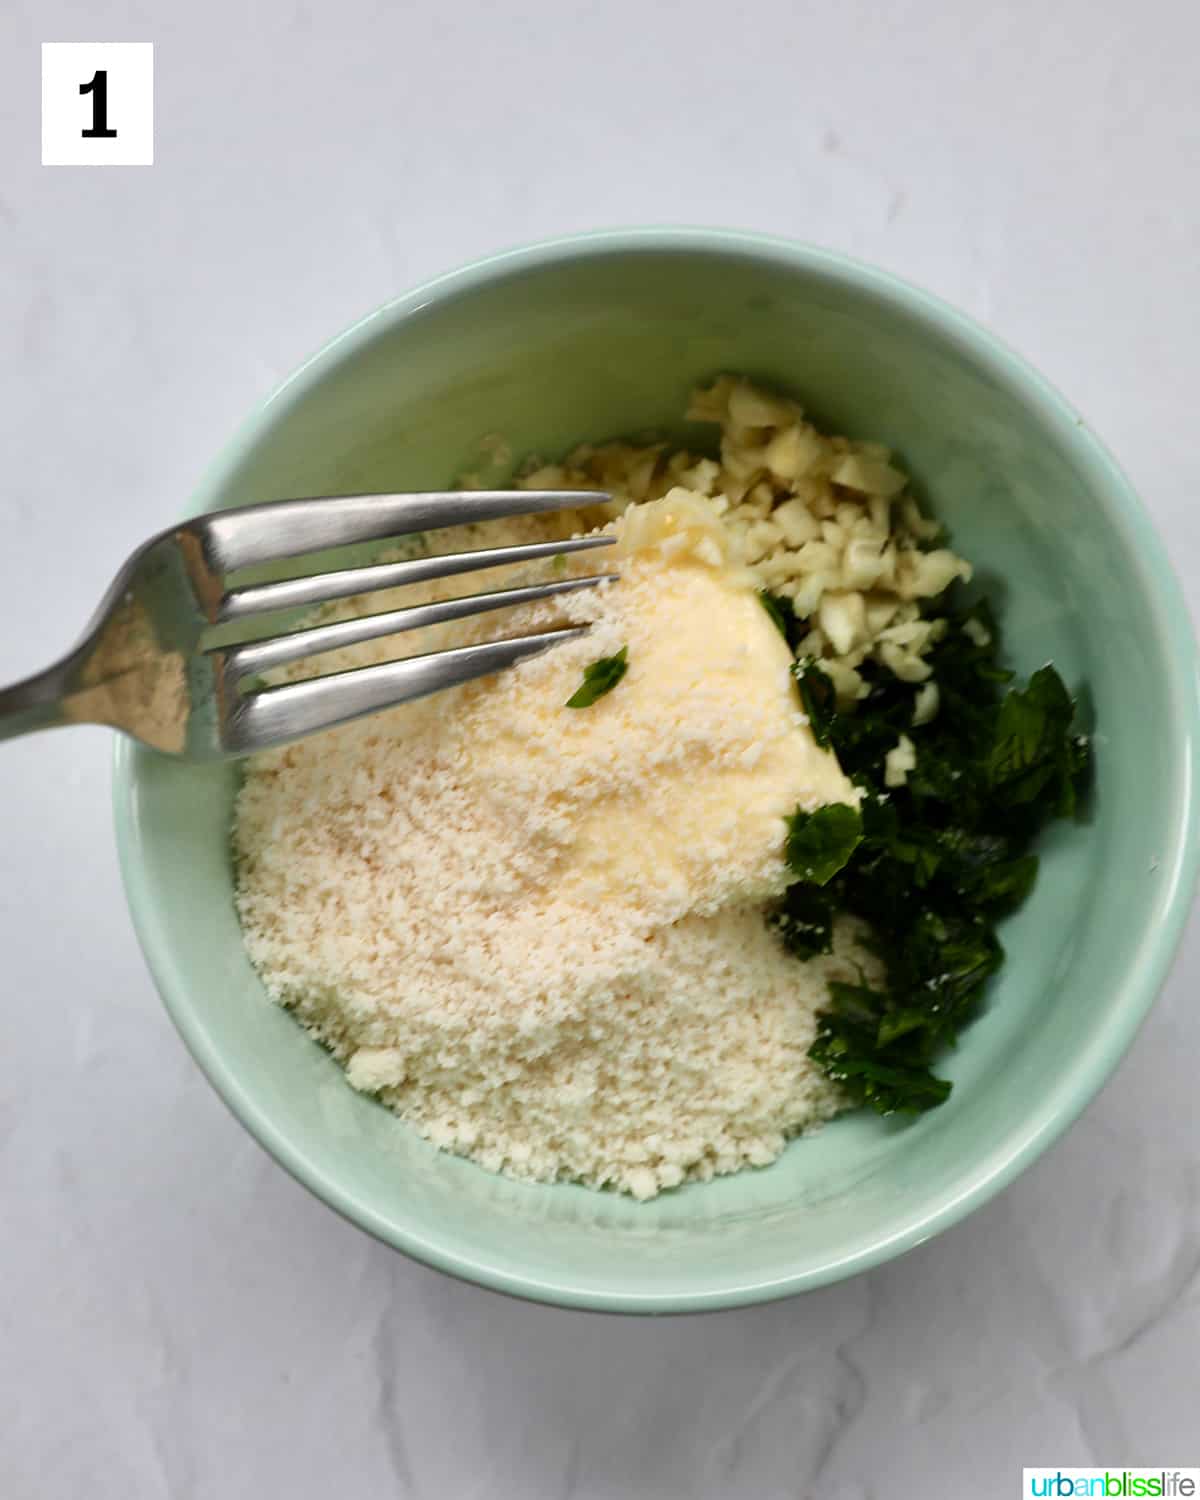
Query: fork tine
{"points": [[260, 656], [256, 534], [300, 593], [277, 715]]}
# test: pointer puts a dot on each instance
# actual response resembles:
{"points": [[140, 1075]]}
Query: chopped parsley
{"points": [[600, 678], [816, 691], [783, 614], [819, 843], [817, 696], [934, 864]]}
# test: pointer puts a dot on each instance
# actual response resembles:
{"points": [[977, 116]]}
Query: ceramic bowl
{"points": [[605, 334]]}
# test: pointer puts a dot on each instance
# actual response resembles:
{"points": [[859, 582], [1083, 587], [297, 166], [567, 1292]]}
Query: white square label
{"points": [[97, 104]]}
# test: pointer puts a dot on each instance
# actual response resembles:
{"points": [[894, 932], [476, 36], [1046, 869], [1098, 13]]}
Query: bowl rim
{"points": [[1149, 960]]}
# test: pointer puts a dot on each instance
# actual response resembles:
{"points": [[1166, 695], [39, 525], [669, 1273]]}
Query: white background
{"points": [[178, 1318]]}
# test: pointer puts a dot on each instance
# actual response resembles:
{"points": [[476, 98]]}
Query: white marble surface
{"points": [[177, 1317]]}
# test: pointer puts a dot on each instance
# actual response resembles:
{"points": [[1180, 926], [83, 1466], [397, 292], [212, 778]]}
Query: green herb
{"points": [[816, 690], [783, 613], [805, 921], [818, 698], [1034, 752], [600, 678], [819, 843], [847, 1047], [937, 861]]}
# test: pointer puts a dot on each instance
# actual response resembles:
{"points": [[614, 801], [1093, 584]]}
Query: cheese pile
{"points": [[537, 932]]}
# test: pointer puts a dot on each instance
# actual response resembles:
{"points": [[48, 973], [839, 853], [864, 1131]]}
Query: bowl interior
{"points": [[606, 338]]}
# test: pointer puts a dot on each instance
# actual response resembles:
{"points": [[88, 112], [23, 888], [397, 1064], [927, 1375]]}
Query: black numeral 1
{"points": [[98, 88]]}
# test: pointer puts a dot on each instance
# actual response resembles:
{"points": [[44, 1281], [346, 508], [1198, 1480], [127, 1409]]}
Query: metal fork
{"points": [[152, 665]]}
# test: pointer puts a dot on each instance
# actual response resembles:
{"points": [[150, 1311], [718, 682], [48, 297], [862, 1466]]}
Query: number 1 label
{"points": [[97, 104], [98, 88]]}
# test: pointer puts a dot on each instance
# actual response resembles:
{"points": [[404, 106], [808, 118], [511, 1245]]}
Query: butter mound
{"points": [[678, 780]]}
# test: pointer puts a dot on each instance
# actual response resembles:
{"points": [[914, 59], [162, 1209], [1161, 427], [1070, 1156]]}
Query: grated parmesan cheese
{"points": [[537, 933]]}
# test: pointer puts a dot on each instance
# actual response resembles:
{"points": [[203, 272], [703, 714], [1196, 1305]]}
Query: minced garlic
{"points": [[826, 521]]}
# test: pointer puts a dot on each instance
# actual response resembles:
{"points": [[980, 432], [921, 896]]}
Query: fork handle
{"points": [[37, 703]]}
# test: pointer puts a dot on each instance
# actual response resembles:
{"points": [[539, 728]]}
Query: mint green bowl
{"points": [[605, 334]]}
